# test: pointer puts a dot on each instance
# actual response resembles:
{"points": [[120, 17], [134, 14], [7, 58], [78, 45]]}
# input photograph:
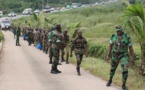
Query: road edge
{"points": [[1, 43]]}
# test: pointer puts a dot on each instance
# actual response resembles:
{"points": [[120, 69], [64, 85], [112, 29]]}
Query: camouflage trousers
{"points": [[55, 53], [79, 58], [17, 40], [66, 51], [124, 60]]}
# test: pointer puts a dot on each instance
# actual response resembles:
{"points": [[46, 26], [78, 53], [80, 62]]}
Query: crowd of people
{"points": [[57, 44]]}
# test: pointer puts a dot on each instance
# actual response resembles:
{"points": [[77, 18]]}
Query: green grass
{"points": [[1, 36], [100, 68]]}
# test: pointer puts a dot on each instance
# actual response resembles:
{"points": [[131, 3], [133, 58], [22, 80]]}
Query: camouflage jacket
{"points": [[55, 39], [65, 40], [79, 45], [120, 45]]}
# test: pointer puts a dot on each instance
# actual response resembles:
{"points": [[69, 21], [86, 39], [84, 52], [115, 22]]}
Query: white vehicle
{"points": [[37, 11], [27, 11], [46, 9], [5, 24], [1, 14], [12, 14]]}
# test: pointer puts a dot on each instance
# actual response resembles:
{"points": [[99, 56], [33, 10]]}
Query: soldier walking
{"points": [[56, 46], [30, 36], [119, 44], [80, 47], [18, 33], [65, 46]]}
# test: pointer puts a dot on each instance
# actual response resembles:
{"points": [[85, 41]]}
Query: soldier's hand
{"points": [[108, 59]]}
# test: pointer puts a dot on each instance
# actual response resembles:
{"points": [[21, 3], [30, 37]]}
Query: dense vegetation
{"points": [[19, 5]]}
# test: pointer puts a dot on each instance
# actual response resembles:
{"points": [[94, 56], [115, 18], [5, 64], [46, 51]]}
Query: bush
{"points": [[100, 51]]}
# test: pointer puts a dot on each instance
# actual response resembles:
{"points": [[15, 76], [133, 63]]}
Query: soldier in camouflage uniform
{"points": [[35, 33], [30, 36], [65, 41], [119, 45], [80, 47], [25, 32], [18, 33], [56, 46], [50, 46]]}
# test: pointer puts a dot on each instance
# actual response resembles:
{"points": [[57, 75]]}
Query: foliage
{"points": [[1, 36], [134, 16]]}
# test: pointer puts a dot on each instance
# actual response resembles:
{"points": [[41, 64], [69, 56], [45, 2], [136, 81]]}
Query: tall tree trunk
{"points": [[142, 68]]}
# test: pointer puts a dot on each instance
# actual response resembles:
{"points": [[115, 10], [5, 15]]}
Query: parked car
{"points": [[37, 11], [5, 24], [12, 14], [27, 11]]}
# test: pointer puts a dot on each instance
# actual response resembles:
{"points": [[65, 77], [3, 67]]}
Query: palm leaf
{"points": [[76, 29]]}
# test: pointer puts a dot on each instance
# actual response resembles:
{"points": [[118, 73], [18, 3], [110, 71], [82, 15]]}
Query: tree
{"points": [[134, 16]]}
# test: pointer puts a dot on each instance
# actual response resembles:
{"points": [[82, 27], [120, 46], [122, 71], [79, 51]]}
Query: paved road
{"points": [[26, 68]]}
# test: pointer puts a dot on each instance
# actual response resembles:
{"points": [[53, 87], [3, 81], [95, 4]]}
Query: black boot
{"points": [[124, 87], [67, 62], [57, 70], [62, 59], [53, 71], [109, 83], [78, 71]]}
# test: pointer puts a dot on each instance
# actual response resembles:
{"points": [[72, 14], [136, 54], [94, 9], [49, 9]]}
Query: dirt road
{"points": [[26, 68]]}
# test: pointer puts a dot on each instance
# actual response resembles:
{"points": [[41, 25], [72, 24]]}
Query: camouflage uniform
{"points": [[119, 44], [65, 41], [120, 54], [56, 43], [18, 33], [79, 45], [35, 33], [50, 48], [30, 36]]}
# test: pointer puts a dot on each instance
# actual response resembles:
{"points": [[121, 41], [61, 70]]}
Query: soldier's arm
{"points": [[131, 50], [86, 47], [110, 48], [132, 54], [72, 48], [86, 50]]}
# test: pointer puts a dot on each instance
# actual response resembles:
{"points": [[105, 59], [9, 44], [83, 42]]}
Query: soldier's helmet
{"points": [[119, 28]]}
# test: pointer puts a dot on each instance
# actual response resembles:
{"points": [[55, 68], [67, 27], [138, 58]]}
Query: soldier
{"points": [[65, 41], [80, 47], [18, 33], [30, 36], [50, 46], [14, 31], [56, 46], [119, 45]]}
